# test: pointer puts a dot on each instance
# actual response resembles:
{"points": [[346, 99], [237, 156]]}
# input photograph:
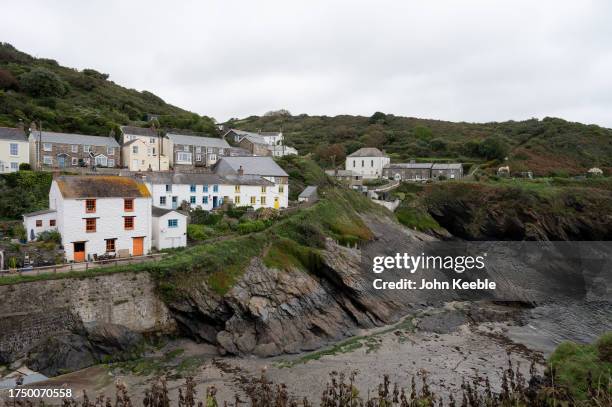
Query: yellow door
{"points": [[276, 203], [137, 249]]}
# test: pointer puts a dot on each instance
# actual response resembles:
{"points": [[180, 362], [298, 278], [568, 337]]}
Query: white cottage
{"points": [[169, 228], [367, 162], [101, 215], [41, 221]]}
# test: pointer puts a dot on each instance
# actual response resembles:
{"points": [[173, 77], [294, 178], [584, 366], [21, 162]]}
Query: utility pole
{"points": [[39, 144]]}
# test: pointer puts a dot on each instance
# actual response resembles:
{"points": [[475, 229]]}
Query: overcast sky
{"points": [[455, 60]]}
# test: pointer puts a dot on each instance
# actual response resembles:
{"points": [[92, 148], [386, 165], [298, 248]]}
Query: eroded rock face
{"points": [[269, 312]]}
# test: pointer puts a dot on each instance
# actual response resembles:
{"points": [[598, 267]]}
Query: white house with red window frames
{"points": [[37, 222], [98, 215]]}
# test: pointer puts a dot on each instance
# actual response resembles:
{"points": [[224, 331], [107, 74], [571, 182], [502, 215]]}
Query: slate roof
{"points": [[12, 134], [38, 213], [340, 173], [255, 139], [69, 138], [415, 166], [159, 212], [263, 166], [239, 151], [139, 131], [101, 186], [367, 152], [182, 178], [452, 166], [197, 140], [309, 191], [247, 180]]}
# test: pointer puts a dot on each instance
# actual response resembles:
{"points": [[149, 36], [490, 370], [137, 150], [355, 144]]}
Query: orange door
{"points": [[137, 250], [79, 251]]}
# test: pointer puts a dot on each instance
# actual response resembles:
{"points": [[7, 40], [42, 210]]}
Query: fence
{"points": [[85, 266]]}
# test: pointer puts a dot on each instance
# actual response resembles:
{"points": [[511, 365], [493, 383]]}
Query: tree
{"points": [[378, 117], [8, 81], [331, 154], [493, 148], [42, 82]]}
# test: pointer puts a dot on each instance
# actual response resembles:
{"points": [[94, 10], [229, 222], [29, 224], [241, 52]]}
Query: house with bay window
{"points": [[14, 149], [189, 151], [63, 150], [98, 215]]}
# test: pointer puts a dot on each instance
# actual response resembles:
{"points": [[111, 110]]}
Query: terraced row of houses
{"points": [[141, 149], [99, 216]]}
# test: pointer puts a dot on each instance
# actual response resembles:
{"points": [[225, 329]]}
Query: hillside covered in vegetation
{"points": [[87, 101], [550, 146]]}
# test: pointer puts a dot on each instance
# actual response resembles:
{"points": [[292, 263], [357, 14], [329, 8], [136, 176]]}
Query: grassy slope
{"points": [[543, 146], [92, 105]]}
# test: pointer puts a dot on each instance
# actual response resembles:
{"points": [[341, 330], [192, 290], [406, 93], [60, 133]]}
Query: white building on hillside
{"points": [[169, 229], [142, 149], [264, 167], [14, 149], [96, 215], [367, 162], [209, 191]]}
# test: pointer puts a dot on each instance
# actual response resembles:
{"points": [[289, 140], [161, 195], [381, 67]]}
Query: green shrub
{"points": [[604, 347], [42, 82], [198, 232], [25, 167], [49, 236], [251, 226]]}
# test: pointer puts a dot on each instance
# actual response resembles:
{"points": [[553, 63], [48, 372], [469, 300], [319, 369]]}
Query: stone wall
{"points": [[31, 311]]}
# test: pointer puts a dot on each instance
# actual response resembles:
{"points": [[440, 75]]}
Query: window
{"points": [[162, 200], [263, 190], [168, 188], [210, 150], [52, 222], [281, 189], [213, 157], [205, 200], [134, 149], [205, 188], [173, 223], [253, 200], [14, 166], [237, 188], [192, 188], [90, 225], [86, 149], [149, 151], [111, 162], [263, 200], [110, 150], [128, 205], [128, 223], [198, 157], [354, 163], [14, 148], [237, 200], [47, 147], [371, 163], [192, 199], [215, 188], [47, 160], [39, 223], [183, 158], [362, 163], [90, 205], [198, 150], [75, 161], [74, 148], [110, 245], [185, 148], [152, 140]]}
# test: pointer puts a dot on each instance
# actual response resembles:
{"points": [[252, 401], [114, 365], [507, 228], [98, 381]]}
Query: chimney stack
{"points": [[20, 126], [241, 171]]}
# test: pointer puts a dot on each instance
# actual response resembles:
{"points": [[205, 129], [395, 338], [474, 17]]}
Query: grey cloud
{"points": [[474, 60]]}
